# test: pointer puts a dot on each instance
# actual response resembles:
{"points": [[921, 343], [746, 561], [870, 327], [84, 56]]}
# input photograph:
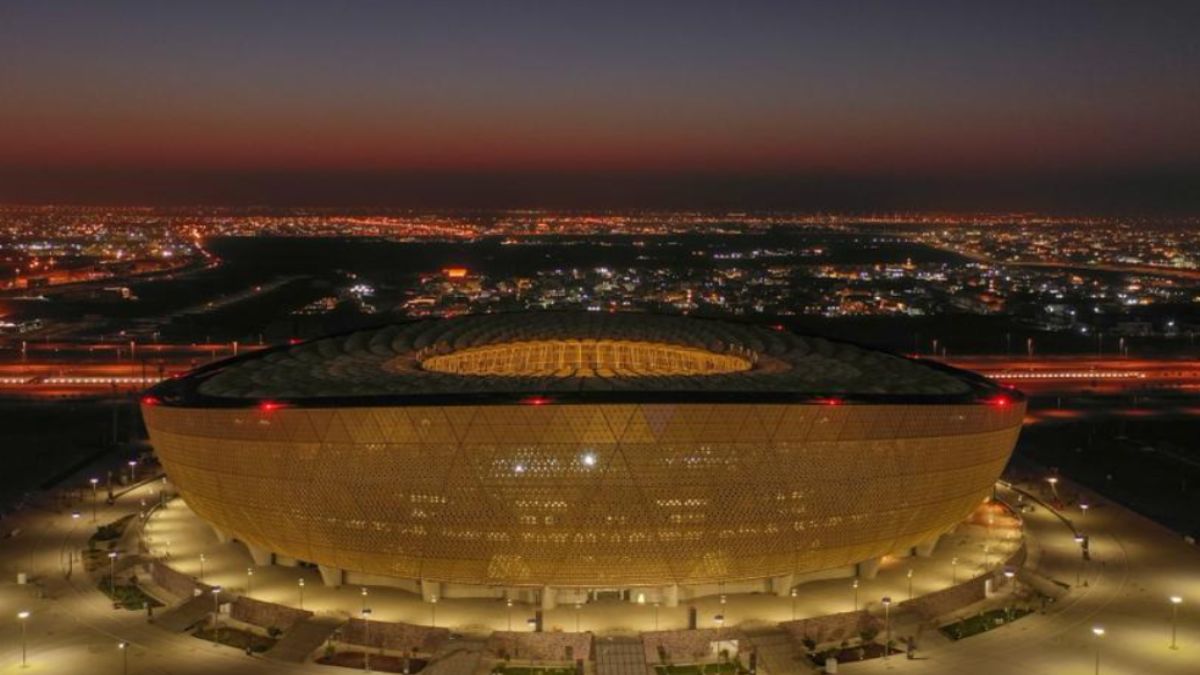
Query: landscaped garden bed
{"points": [[698, 669], [383, 663], [126, 595], [983, 622], [235, 637], [861, 652]]}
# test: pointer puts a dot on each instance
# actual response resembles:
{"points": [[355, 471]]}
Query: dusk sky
{"points": [[348, 102]]}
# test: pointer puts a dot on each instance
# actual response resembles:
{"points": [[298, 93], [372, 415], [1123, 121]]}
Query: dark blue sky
{"points": [[353, 98]]}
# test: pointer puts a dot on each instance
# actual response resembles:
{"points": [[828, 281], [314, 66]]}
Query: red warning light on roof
{"points": [[829, 401], [536, 400], [270, 406]]}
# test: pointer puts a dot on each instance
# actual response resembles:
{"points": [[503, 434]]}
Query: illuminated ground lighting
{"points": [[645, 450]]}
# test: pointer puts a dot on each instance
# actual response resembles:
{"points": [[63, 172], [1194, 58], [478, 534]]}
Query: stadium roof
{"points": [[569, 356]]}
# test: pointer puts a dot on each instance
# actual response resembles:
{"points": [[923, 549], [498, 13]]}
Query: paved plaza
{"points": [[1136, 567]]}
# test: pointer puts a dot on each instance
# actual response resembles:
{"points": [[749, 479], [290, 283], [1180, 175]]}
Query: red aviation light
{"points": [[270, 406], [1000, 401], [830, 401], [151, 400], [536, 400]]}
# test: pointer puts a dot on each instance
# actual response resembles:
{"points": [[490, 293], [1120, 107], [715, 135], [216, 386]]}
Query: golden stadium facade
{"points": [[581, 451]]}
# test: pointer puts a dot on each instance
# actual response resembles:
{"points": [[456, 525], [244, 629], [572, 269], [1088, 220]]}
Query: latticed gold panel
{"points": [[586, 495], [587, 358]]}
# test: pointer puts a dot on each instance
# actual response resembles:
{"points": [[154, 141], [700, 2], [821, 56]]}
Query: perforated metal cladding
{"points": [[586, 495]]}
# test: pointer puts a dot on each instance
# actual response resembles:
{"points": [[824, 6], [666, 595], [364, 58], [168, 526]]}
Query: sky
{"points": [[914, 104]]}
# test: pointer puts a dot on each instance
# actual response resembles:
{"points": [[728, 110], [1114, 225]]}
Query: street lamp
{"points": [[887, 626], [508, 603], [366, 615], [1080, 539], [112, 574], [364, 597], [216, 593], [300, 583], [23, 615], [249, 580], [793, 594], [909, 575], [95, 487], [1098, 631], [1010, 574], [1053, 481], [1176, 601], [124, 647], [854, 585], [1083, 509], [132, 471]]}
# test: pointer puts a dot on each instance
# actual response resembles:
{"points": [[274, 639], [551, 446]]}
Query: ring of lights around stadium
{"points": [[581, 450]]}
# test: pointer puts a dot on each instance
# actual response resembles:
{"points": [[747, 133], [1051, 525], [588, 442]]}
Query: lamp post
{"points": [[887, 626], [909, 575], [124, 647], [216, 593], [433, 610], [95, 496], [854, 585], [1176, 601], [249, 580], [1083, 509], [364, 597], [132, 471], [1079, 539], [508, 603], [201, 567], [793, 594], [1098, 631], [23, 615], [1053, 481], [1010, 574], [300, 584], [366, 615], [112, 574]]}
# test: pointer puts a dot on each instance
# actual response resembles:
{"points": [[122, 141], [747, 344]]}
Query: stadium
{"points": [[588, 452]]}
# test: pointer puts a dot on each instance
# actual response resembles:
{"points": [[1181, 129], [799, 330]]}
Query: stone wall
{"points": [[176, 583], [552, 646], [833, 628], [685, 646], [401, 637], [266, 614], [943, 602]]}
